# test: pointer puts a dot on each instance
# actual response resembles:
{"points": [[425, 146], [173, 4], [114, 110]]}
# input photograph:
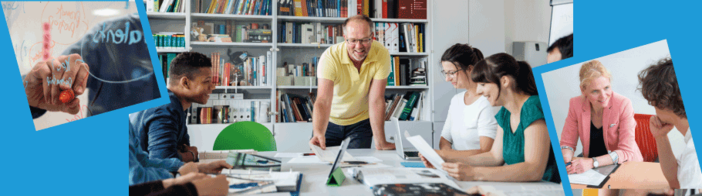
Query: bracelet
{"points": [[192, 153], [567, 147]]}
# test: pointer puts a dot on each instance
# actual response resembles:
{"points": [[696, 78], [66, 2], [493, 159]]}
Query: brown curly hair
{"points": [[659, 86]]}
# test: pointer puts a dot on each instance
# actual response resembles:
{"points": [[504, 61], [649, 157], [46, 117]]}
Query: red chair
{"points": [[644, 138]]}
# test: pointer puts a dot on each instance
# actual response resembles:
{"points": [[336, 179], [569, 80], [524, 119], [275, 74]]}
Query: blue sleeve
{"points": [[143, 169], [163, 138], [139, 173]]}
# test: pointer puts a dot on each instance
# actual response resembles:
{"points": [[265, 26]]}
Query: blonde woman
{"points": [[603, 121]]}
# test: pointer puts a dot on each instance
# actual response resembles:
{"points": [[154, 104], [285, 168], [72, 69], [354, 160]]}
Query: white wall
{"points": [[563, 84], [486, 25], [526, 20], [450, 21]]}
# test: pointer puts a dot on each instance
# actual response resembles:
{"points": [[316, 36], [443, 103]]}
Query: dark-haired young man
{"points": [[659, 86], [560, 49], [162, 130]]}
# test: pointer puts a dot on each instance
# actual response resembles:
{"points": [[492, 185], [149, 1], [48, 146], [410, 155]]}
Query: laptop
{"points": [[406, 154]]}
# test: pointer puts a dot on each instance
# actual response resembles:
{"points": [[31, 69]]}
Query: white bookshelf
{"points": [[293, 45], [289, 135], [231, 16], [157, 15], [227, 44], [171, 50]]}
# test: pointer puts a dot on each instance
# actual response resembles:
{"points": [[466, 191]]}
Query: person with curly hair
{"points": [[659, 87]]}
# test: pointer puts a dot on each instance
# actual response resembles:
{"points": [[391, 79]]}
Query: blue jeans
{"points": [[360, 133]]}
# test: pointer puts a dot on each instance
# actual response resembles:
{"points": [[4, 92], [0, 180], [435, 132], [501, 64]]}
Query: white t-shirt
{"points": [[466, 123], [689, 174]]}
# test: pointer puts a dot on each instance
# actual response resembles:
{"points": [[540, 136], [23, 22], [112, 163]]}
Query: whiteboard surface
{"points": [[70, 21], [561, 22]]}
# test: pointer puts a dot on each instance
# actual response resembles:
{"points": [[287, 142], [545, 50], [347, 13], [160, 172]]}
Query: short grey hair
{"points": [[359, 17]]}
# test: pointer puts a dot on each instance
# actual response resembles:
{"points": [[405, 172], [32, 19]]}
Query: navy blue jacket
{"points": [[161, 130], [114, 58]]}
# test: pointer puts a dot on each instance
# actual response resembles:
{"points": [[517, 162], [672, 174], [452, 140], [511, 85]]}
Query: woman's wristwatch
{"points": [[595, 164]]}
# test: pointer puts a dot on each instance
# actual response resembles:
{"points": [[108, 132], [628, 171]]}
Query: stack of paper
{"points": [[283, 181], [589, 177]]}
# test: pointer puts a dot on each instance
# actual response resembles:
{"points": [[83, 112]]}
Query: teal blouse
{"points": [[513, 143]]}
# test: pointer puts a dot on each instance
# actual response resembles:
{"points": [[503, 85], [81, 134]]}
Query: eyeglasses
{"points": [[450, 74], [362, 41]]}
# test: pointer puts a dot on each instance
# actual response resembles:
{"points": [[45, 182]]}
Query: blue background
{"points": [[606, 27], [89, 156]]}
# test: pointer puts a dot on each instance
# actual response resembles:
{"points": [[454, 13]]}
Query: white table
{"points": [[315, 176]]}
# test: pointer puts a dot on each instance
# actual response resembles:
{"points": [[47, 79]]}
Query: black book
{"points": [[392, 8], [404, 72]]}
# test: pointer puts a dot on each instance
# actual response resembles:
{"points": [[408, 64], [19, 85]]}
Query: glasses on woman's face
{"points": [[364, 41], [450, 74]]}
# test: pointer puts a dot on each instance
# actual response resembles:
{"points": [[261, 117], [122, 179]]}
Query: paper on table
{"points": [[589, 177], [306, 160], [421, 145], [369, 159], [315, 160], [288, 155], [329, 155]]}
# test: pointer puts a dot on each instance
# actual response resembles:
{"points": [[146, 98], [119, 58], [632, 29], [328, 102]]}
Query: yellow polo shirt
{"points": [[350, 102]]}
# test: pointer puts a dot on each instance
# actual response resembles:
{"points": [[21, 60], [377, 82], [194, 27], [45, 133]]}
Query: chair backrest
{"points": [[245, 135], [644, 138]]}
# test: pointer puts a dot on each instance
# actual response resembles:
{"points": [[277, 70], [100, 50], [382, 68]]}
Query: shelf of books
{"points": [[166, 8], [230, 16], [409, 54], [243, 8], [225, 44], [311, 19], [395, 20], [296, 87], [311, 45], [275, 83]]}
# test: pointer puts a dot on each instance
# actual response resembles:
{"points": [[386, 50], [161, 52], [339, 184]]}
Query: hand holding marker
{"points": [[53, 84]]}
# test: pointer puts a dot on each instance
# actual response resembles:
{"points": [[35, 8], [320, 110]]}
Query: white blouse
{"points": [[466, 123]]}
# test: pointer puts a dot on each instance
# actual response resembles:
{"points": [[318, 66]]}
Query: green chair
{"points": [[245, 135]]}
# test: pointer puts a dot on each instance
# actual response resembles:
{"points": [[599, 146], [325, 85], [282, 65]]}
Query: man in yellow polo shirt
{"points": [[351, 89]]}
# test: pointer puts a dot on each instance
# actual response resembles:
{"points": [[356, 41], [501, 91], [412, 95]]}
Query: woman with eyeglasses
{"points": [[470, 124], [522, 149]]}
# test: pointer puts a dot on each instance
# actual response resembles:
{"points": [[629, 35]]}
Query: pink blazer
{"points": [[618, 127]]}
